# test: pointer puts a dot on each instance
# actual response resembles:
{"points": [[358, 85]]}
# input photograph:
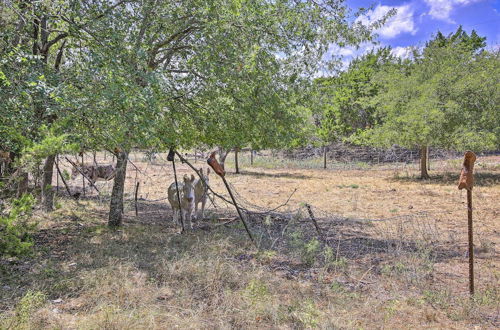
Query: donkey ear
{"points": [[192, 178], [185, 177]]}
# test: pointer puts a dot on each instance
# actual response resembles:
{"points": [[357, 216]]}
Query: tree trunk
{"points": [[116, 205], [47, 189], [236, 165], [423, 163], [324, 156], [251, 157], [428, 162]]}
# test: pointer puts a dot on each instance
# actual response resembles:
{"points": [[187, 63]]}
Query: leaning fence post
{"points": [[220, 171], [83, 177], [64, 181], [467, 181], [57, 176], [136, 192], [171, 158], [313, 218]]}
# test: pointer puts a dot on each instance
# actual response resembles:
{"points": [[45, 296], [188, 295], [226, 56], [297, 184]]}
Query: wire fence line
{"points": [[153, 168]]}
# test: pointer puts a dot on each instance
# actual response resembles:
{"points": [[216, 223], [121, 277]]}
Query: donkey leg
{"points": [[195, 215], [176, 218], [188, 214], [203, 202]]}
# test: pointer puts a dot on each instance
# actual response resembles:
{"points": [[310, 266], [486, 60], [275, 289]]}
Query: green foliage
{"points": [[308, 251], [447, 97], [28, 304], [15, 229], [344, 104], [156, 74], [50, 144], [226, 73], [256, 290], [471, 43]]}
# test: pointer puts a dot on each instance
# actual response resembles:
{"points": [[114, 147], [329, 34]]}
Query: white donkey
{"points": [[186, 192], [201, 193]]}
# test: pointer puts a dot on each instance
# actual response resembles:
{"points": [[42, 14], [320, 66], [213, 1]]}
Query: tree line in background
{"points": [[150, 74], [445, 95]]}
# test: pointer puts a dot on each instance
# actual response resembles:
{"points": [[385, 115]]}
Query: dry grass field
{"points": [[392, 253]]}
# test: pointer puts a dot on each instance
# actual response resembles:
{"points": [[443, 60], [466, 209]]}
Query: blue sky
{"points": [[417, 20]]}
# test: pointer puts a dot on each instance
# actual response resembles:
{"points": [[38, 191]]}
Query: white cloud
{"points": [[441, 9], [403, 52], [401, 22], [344, 55], [350, 51]]}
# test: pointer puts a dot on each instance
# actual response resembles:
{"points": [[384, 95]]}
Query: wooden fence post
{"points": [[171, 158], [212, 162], [467, 181], [83, 178]]}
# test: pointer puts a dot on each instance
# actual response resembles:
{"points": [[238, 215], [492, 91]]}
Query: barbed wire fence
{"points": [[275, 227]]}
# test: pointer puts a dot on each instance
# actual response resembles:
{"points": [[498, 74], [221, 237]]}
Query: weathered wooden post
{"points": [[236, 164], [313, 218], [135, 198], [57, 176], [83, 178], [467, 181], [324, 156], [171, 158], [220, 172], [64, 181]]}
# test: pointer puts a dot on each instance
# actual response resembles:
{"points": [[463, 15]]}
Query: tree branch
{"points": [[59, 56], [56, 39]]}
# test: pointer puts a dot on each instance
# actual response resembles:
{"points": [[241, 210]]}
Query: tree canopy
{"points": [[156, 74]]}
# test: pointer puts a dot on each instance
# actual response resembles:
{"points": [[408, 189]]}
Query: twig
{"points": [[363, 276]]}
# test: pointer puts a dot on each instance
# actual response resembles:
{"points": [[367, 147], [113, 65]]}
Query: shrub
{"points": [[15, 230]]}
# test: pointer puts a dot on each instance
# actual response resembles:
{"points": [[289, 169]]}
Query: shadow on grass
{"points": [[481, 179], [79, 246]]}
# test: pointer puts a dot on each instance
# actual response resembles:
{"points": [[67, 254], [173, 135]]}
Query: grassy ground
{"points": [[392, 254]]}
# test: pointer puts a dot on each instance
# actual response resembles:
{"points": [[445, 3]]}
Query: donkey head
{"points": [[188, 188]]}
